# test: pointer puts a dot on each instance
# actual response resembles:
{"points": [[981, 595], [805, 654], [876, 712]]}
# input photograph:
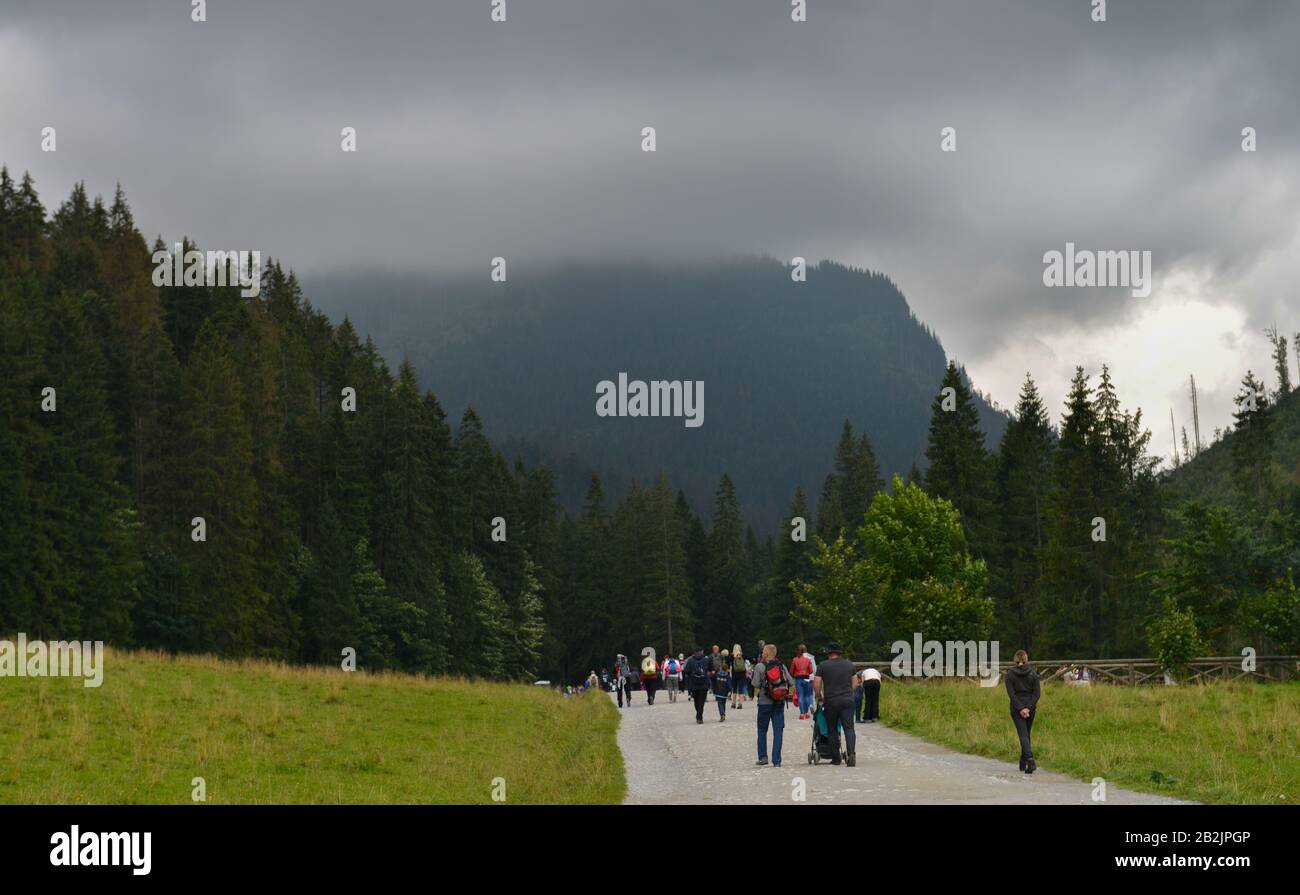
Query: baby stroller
{"points": [[821, 739]]}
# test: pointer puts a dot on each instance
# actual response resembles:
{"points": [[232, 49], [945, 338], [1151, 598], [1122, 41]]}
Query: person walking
{"points": [[696, 675], [802, 668], [621, 672], [773, 684], [649, 678], [631, 680], [870, 695], [1024, 689], [722, 685], [672, 677], [834, 686], [857, 698], [737, 677]]}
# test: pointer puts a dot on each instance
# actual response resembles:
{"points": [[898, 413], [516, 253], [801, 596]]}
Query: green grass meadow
{"points": [[1216, 743], [263, 733]]}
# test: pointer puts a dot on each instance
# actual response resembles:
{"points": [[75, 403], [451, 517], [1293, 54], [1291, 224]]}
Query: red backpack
{"points": [[774, 685]]}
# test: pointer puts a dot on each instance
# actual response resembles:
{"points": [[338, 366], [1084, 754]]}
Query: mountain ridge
{"points": [[784, 364]]}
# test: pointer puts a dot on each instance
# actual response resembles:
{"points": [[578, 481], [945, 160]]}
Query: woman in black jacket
{"points": [[1024, 690]]}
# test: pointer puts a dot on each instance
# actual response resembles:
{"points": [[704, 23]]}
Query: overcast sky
{"points": [[819, 139]]}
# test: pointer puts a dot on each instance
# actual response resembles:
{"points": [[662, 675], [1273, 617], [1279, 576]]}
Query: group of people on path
{"points": [[733, 680], [845, 695]]}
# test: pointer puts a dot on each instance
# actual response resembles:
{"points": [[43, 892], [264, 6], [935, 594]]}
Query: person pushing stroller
{"points": [[833, 685]]}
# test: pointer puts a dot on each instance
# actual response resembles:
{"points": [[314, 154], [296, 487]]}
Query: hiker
{"points": [[834, 686], [738, 665], [871, 695], [773, 684], [722, 685], [649, 678], [672, 677], [857, 696], [1024, 690], [592, 680], [697, 681], [620, 679], [715, 660], [802, 669], [749, 671], [604, 680], [631, 680]]}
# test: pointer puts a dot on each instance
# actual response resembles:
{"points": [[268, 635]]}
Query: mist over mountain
{"points": [[783, 365]]}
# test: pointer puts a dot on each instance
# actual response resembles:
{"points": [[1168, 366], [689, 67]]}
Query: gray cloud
{"points": [[818, 139]]}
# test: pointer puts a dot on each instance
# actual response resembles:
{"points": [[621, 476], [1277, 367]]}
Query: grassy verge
{"points": [[264, 733], [1221, 743]]}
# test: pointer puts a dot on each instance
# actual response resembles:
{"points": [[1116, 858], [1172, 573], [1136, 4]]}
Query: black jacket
{"points": [[1023, 687], [696, 672]]}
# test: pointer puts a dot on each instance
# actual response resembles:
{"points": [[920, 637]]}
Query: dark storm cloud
{"points": [[820, 139]]}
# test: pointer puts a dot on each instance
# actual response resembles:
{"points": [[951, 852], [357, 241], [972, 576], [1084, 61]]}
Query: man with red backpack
{"points": [[773, 684]]}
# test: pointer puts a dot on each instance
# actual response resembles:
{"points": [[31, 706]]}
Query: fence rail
{"points": [[1136, 672]]}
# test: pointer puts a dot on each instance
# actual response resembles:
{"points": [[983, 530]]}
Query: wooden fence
{"points": [[1145, 671]]}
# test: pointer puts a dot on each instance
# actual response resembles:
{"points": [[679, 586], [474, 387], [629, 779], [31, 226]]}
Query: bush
{"points": [[1174, 639], [1276, 613]]}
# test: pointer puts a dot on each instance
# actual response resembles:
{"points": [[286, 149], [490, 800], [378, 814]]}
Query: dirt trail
{"points": [[672, 760]]}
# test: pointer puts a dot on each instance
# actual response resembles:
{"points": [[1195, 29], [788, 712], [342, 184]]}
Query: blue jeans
{"points": [[805, 688], [774, 713]]}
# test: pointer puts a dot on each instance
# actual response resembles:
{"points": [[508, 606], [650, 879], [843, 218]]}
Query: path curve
{"points": [[671, 760]]}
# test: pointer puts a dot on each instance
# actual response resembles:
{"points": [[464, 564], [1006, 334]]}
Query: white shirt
{"points": [[813, 659], [870, 674]]}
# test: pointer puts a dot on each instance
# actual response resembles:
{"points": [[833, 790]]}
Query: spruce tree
{"points": [[958, 464], [724, 612], [1023, 470]]}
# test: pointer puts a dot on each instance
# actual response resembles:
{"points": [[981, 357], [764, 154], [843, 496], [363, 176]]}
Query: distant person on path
{"points": [[870, 695], [773, 684], [811, 658], [715, 660], [1024, 689], [738, 665], [834, 685], [621, 673], [802, 668], [649, 678], [722, 685], [672, 677], [857, 697], [697, 681]]}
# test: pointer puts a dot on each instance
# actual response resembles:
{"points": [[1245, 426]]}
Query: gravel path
{"points": [[672, 760]]}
